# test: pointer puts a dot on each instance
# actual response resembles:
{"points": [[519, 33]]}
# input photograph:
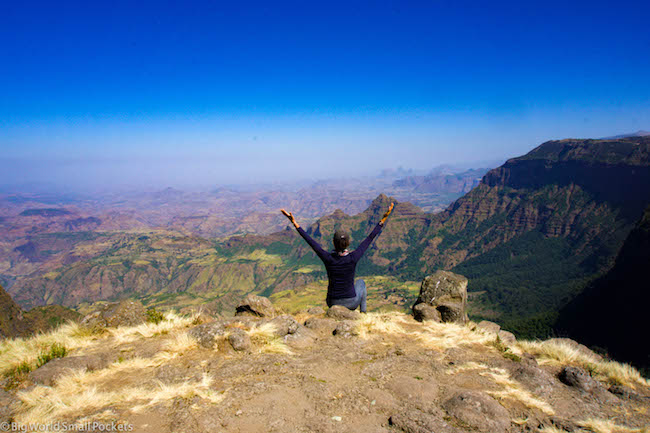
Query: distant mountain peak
{"points": [[639, 133]]}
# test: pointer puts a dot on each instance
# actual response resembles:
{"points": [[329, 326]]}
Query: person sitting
{"points": [[341, 264]]}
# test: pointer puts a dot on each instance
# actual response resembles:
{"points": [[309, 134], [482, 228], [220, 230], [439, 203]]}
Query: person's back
{"points": [[341, 265]]}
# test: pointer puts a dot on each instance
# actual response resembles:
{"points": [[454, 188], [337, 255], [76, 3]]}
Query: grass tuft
{"points": [[264, 336]]}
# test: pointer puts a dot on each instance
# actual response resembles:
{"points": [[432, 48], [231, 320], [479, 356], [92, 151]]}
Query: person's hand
{"points": [[385, 217], [290, 216]]}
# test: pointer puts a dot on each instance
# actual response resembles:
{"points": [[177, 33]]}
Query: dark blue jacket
{"points": [[341, 269]]}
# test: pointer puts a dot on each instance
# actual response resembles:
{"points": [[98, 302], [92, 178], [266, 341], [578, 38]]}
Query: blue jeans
{"points": [[352, 303]]}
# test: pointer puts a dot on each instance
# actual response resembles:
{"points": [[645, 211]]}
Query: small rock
{"points": [[346, 328], [342, 313], [284, 325], [207, 334], [316, 311], [478, 410], [623, 392], [425, 312], [303, 337], [255, 306], [507, 337], [318, 324], [239, 340], [578, 378], [490, 327], [415, 421]]}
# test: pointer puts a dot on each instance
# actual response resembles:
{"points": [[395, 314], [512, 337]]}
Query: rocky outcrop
{"points": [[447, 293], [124, 313], [258, 306], [12, 322]]}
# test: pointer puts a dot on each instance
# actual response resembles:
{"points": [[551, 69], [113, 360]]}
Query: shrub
{"points": [[154, 316], [56, 351]]}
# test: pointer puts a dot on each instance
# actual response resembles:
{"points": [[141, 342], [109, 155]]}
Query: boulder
{"points": [[488, 326], [113, 314], [447, 293], [507, 337], [208, 333], [425, 312], [49, 373], [239, 340], [346, 328], [342, 313], [578, 378], [255, 306], [478, 410]]}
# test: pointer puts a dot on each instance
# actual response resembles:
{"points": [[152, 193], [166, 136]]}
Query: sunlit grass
{"points": [[264, 337], [72, 397], [380, 323], [172, 321], [513, 390], [17, 351], [562, 353]]}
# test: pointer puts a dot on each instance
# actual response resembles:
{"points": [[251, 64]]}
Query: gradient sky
{"points": [[182, 93]]}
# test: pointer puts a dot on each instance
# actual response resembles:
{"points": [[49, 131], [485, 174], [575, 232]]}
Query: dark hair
{"points": [[341, 240]]}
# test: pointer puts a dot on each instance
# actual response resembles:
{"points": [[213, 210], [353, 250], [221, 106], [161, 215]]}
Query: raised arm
{"points": [[320, 252], [361, 249]]}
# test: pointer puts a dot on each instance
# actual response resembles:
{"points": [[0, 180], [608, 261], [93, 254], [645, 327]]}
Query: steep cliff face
{"points": [[621, 296], [539, 227]]}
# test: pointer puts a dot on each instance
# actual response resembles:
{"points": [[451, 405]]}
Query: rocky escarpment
{"points": [[14, 322]]}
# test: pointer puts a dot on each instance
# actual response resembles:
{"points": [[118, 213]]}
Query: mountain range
{"points": [[530, 236]]}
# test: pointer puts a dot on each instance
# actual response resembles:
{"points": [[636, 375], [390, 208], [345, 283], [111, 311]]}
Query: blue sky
{"points": [[182, 93]]}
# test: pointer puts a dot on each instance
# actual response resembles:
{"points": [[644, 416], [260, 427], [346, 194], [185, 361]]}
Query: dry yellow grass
{"points": [[380, 323], [15, 351], [72, 396], [264, 337], [561, 353], [513, 390], [181, 343], [442, 336], [172, 321], [609, 426], [467, 366]]}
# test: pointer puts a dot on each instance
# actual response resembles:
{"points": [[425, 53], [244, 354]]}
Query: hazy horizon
{"points": [[99, 96]]}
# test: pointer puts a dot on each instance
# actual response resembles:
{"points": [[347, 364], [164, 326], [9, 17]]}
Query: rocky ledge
{"points": [[318, 371]]}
